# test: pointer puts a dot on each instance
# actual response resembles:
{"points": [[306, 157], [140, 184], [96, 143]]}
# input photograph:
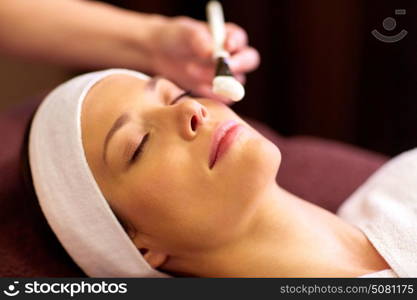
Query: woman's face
{"points": [[168, 189]]}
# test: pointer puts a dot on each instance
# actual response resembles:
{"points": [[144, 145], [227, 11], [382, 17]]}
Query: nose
{"points": [[192, 115]]}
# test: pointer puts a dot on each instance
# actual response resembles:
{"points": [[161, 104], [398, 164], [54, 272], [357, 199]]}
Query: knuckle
{"points": [[183, 19]]}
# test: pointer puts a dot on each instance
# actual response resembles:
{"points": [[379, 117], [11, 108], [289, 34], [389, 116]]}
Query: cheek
{"points": [[182, 207], [184, 211], [165, 202]]}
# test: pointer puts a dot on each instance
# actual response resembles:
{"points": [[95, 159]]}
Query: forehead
{"points": [[112, 91], [103, 104], [108, 99]]}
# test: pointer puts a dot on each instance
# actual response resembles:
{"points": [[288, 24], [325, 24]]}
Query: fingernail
{"points": [[232, 44]]}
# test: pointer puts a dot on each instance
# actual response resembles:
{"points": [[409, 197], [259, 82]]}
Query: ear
{"points": [[130, 232], [154, 258]]}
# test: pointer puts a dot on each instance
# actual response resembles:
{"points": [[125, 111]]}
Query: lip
{"points": [[222, 140]]}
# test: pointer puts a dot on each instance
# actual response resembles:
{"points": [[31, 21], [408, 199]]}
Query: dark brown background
{"points": [[322, 71]]}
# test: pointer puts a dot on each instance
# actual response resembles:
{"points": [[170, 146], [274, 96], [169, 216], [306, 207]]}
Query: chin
{"points": [[258, 164], [263, 161], [246, 186]]}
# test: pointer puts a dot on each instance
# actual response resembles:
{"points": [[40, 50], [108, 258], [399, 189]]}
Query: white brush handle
{"points": [[216, 23]]}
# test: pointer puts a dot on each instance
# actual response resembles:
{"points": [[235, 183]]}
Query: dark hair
{"points": [[25, 173]]}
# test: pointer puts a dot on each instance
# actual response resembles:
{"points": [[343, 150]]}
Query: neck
{"points": [[289, 237]]}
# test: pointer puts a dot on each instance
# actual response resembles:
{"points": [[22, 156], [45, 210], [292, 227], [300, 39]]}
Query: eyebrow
{"points": [[125, 117], [122, 120]]}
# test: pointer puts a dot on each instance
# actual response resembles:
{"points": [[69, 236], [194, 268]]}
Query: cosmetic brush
{"points": [[224, 83]]}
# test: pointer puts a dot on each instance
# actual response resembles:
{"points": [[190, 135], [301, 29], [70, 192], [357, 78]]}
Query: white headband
{"points": [[67, 192]]}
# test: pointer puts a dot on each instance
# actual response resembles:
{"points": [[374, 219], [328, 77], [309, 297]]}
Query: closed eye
{"points": [[139, 149], [185, 94]]}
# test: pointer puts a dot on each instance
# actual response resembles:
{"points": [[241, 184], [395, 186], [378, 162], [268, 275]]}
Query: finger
{"points": [[236, 38], [196, 34], [200, 72], [201, 43], [244, 61], [241, 78]]}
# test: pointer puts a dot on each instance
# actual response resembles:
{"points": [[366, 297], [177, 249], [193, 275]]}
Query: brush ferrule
{"points": [[220, 53], [222, 68]]}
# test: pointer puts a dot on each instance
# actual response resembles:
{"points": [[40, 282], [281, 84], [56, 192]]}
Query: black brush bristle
{"points": [[222, 68]]}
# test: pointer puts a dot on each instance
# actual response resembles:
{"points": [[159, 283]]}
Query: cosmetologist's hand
{"points": [[182, 52]]}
